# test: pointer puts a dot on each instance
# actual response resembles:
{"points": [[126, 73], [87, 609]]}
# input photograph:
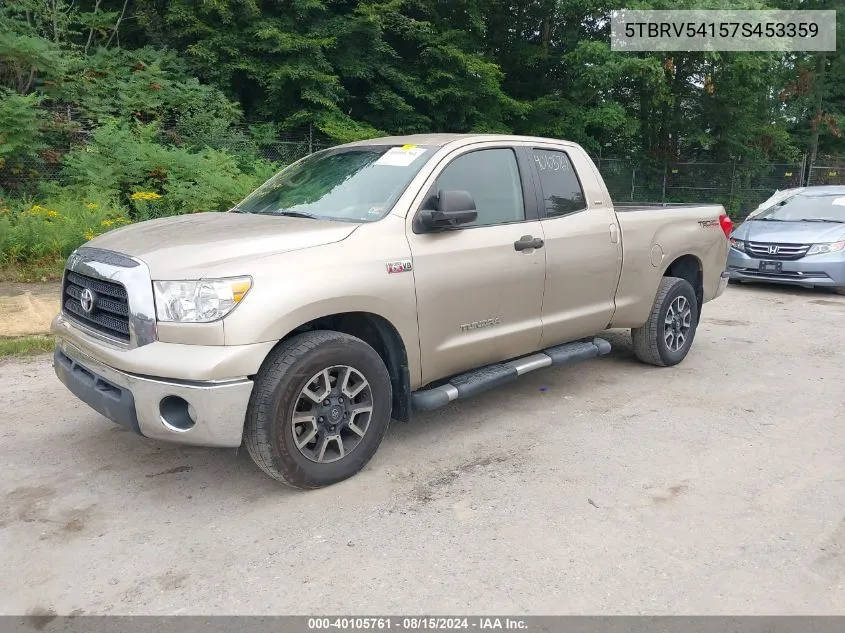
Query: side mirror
{"points": [[453, 208]]}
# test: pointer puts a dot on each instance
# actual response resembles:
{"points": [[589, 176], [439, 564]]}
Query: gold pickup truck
{"points": [[371, 279]]}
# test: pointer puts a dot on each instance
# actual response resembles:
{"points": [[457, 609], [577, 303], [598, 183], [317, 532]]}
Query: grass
{"points": [[33, 272], [26, 346]]}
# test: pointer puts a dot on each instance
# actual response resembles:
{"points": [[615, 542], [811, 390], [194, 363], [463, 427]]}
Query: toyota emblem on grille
{"points": [[773, 249], [86, 300]]}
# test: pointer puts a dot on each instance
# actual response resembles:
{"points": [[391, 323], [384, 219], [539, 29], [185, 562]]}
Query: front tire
{"points": [[665, 339], [319, 409]]}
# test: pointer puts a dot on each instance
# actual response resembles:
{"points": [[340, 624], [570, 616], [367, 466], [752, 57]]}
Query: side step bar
{"points": [[491, 376]]}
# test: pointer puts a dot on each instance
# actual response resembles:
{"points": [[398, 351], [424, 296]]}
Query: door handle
{"points": [[614, 234], [528, 241]]}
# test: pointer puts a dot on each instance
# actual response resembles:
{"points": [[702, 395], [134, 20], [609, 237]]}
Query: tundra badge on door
{"points": [[476, 325]]}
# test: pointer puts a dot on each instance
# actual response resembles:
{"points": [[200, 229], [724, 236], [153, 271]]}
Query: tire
{"points": [[293, 378], [653, 342]]}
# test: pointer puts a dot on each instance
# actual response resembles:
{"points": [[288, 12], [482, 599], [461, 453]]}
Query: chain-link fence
{"points": [[833, 174], [739, 186]]}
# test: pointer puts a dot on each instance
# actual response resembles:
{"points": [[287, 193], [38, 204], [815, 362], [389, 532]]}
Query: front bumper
{"points": [[202, 413], [816, 270]]}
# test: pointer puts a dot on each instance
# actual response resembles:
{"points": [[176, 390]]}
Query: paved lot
{"points": [[717, 486]]}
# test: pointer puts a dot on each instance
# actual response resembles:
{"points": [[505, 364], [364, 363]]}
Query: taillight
{"points": [[726, 224]]}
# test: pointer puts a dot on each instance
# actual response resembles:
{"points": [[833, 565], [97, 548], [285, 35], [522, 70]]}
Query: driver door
{"points": [[479, 292]]}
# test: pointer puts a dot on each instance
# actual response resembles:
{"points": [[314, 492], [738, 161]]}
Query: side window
{"points": [[492, 177], [562, 192]]}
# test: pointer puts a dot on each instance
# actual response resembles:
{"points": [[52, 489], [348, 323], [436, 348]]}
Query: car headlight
{"points": [[200, 301], [821, 249], [738, 244]]}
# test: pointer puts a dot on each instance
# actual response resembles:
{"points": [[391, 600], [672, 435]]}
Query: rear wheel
{"points": [[665, 339], [319, 410]]}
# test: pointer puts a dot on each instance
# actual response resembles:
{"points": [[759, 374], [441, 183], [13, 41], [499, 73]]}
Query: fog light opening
{"points": [[176, 414]]}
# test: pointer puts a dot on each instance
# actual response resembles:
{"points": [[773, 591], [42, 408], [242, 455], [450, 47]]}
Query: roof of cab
{"points": [[440, 140]]}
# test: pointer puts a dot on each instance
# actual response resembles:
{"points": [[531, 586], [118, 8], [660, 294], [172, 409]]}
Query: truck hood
{"points": [[790, 232], [185, 247]]}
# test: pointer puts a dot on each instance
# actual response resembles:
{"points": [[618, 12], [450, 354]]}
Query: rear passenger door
{"points": [[479, 290], [583, 245]]}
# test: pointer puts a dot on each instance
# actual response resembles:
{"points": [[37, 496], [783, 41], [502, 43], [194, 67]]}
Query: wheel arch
{"points": [[383, 337], [690, 268]]}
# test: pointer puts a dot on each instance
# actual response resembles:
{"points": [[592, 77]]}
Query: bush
{"points": [[20, 139], [52, 228], [128, 164]]}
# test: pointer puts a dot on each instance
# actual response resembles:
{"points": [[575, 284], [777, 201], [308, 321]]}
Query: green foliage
{"points": [[53, 227], [21, 139], [161, 97], [122, 160], [26, 346]]}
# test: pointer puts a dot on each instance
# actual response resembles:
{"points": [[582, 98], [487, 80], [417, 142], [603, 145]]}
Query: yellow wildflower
{"points": [[37, 208], [91, 205], [145, 195], [52, 214], [89, 235], [107, 223]]}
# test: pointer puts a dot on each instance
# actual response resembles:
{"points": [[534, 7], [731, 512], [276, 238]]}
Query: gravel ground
{"points": [[717, 486]]}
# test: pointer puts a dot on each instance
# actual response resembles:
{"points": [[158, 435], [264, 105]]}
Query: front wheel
{"points": [[319, 409], [665, 339]]}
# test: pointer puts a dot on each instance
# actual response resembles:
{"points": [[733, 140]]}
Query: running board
{"points": [[491, 376]]}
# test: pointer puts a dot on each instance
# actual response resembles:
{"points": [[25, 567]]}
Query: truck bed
{"points": [[622, 207]]}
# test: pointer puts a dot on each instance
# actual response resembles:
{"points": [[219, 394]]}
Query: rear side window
{"points": [[492, 177], [562, 193]]}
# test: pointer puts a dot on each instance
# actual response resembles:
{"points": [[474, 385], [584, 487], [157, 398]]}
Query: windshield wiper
{"points": [[768, 220], [296, 214], [820, 220]]}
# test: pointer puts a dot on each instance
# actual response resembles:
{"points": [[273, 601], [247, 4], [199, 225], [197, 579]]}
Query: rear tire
{"points": [[665, 339], [319, 409]]}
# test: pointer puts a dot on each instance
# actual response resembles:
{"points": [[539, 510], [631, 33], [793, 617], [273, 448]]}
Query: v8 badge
{"points": [[401, 266]]}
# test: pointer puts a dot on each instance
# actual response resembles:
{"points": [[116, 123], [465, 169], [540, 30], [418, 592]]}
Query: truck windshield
{"points": [[807, 207], [353, 184]]}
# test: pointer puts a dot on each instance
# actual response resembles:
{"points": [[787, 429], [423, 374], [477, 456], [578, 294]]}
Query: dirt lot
{"points": [[717, 486], [27, 308]]}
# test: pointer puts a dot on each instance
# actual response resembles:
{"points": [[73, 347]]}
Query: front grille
{"points": [[782, 252], [109, 312]]}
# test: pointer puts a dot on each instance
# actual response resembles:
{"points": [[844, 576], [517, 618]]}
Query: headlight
{"points": [[821, 249], [198, 301], [738, 244]]}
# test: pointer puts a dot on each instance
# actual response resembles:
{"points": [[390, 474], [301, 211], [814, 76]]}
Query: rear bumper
{"points": [[723, 283], [823, 271], [202, 413]]}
